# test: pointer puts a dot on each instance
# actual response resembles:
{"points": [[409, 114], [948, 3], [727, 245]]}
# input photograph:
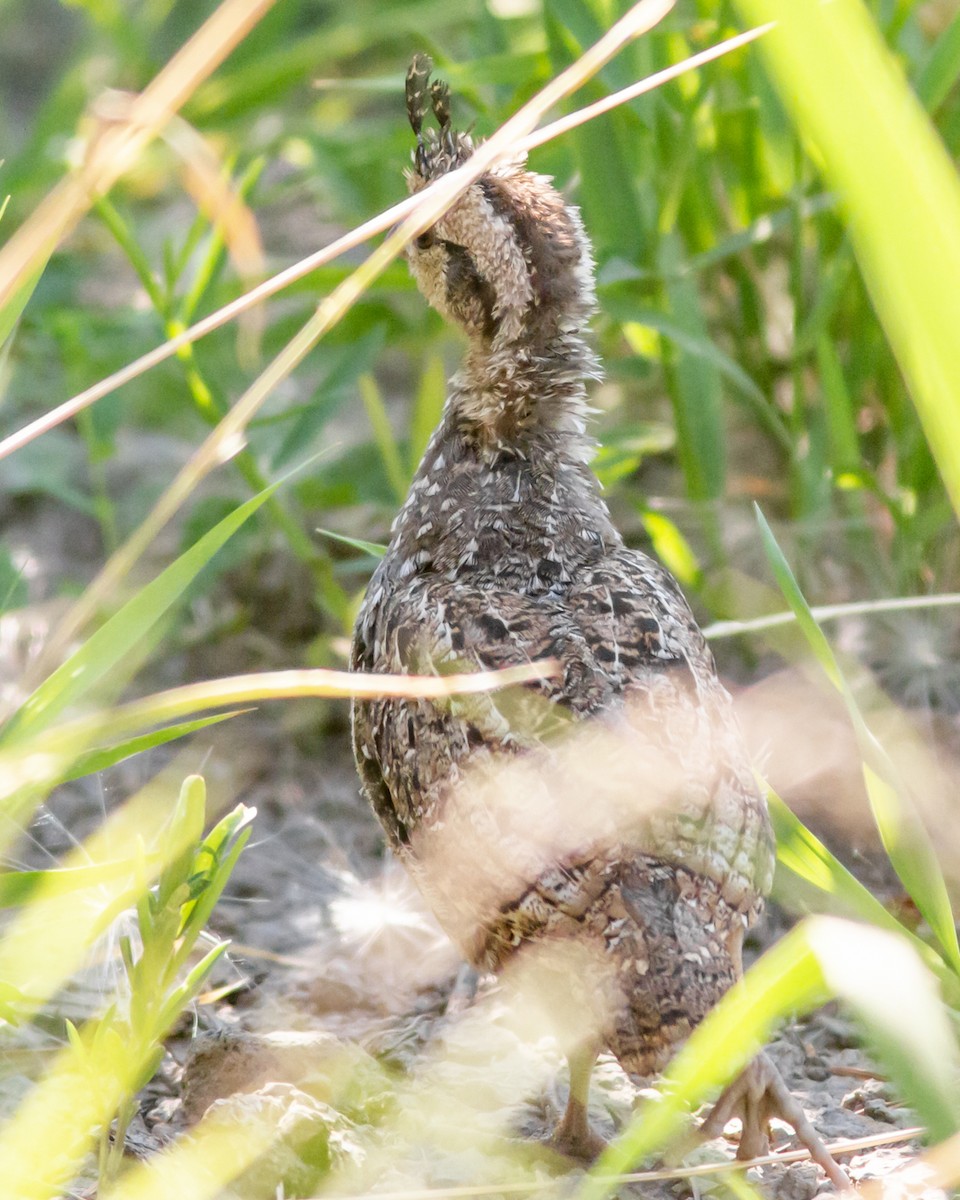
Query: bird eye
{"points": [[426, 240]]}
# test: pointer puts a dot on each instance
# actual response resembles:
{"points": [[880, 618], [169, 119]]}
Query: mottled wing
{"points": [[640, 632], [410, 752]]}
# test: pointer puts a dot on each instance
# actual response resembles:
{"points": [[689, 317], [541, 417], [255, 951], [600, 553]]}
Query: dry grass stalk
{"points": [[119, 136]]}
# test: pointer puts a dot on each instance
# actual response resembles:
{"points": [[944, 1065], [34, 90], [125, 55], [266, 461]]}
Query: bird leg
{"points": [[756, 1095], [574, 1136]]}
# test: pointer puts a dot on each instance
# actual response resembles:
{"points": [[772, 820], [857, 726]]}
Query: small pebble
{"points": [[878, 1110], [816, 1069]]}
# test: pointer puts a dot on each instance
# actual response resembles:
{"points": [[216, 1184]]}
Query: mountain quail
{"points": [[612, 807]]}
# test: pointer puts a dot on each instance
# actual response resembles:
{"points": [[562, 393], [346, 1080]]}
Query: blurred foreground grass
{"points": [[777, 253]]}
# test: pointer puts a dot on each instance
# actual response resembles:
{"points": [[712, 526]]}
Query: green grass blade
{"points": [[788, 585], [10, 312], [383, 436], [427, 408], [698, 345], [186, 992], [16, 887], [608, 189], [215, 860], [608, 193], [117, 637], [810, 879], [802, 856], [186, 832], [898, 187], [212, 257], [103, 757], [374, 549], [125, 239], [841, 414], [671, 547], [942, 68], [694, 384], [902, 832]]}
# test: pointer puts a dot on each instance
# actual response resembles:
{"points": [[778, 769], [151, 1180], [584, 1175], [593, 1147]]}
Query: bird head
{"points": [[509, 262]]}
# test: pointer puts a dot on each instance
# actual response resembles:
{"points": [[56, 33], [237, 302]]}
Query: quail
{"points": [[612, 807]]}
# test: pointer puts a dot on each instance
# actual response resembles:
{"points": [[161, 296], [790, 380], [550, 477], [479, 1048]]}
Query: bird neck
{"points": [[513, 396]]}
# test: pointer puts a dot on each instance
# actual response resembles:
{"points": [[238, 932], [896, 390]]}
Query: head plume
{"points": [[441, 150], [509, 261]]}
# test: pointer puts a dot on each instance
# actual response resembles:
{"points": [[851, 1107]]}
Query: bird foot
{"points": [[574, 1137], [756, 1095]]}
